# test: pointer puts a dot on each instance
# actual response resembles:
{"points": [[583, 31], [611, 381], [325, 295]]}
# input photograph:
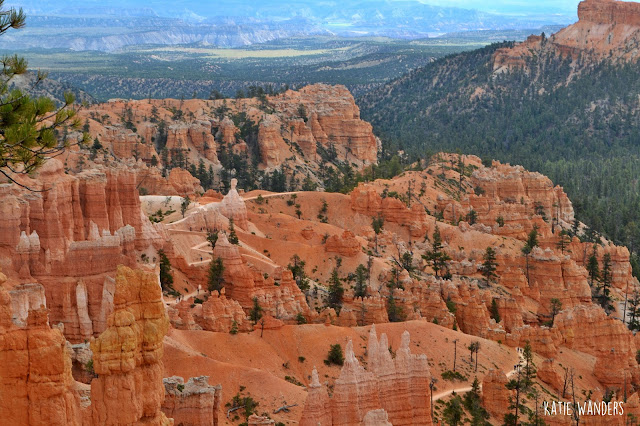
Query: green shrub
{"points": [[335, 355]]}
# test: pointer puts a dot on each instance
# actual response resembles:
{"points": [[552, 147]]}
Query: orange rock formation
{"points": [[37, 387], [193, 403], [606, 28], [127, 356], [396, 388]]}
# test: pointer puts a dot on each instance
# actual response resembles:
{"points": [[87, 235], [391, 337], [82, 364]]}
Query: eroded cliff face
{"points": [[70, 238], [244, 284], [36, 383], [194, 403], [394, 391], [588, 329], [127, 356], [606, 28], [290, 131]]}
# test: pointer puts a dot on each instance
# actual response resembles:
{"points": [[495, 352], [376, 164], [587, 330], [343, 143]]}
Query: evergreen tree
{"points": [[298, 272], [473, 404], [336, 291], [532, 241], [28, 126], [335, 355], [215, 277], [453, 411], [233, 237], [212, 238], [407, 261], [184, 205], [556, 307], [529, 370], [377, 224], [256, 311], [166, 278], [516, 403], [575, 228], [361, 274], [593, 268], [634, 312], [489, 265], [395, 313], [472, 217], [563, 241], [604, 289], [437, 257]]}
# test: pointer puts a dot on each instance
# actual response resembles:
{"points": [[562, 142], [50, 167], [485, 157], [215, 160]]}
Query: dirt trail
{"points": [[466, 389]]}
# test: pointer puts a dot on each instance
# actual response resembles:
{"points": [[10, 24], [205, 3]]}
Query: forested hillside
{"points": [[576, 122]]}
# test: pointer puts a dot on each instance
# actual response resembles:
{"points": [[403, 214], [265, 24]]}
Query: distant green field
{"points": [[184, 71]]}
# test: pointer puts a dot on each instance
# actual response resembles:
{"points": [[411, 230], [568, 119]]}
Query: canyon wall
{"points": [[71, 237]]}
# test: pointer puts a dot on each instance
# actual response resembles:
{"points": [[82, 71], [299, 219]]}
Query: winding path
{"points": [[466, 389]]}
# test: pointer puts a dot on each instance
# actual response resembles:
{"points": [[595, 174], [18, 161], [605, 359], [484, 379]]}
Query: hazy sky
{"points": [[510, 5], [499, 6]]}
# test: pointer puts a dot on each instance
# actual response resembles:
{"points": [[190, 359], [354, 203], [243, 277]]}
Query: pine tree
{"points": [[634, 312], [335, 355], [184, 205], [256, 311], [437, 257], [605, 283], [215, 277], [556, 307], [592, 267], [166, 278], [453, 411], [28, 126], [532, 241], [489, 265], [360, 289], [212, 238], [395, 313], [336, 291], [575, 228], [377, 224], [298, 272], [563, 241], [472, 217], [407, 261], [233, 237], [529, 369], [473, 403]]}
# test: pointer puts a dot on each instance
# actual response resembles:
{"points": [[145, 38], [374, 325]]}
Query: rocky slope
{"points": [[296, 133], [275, 304], [473, 207]]}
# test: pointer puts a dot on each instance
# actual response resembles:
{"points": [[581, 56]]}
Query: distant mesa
{"points": [[605, 29]]}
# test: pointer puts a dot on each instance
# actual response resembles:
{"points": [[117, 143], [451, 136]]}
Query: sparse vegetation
{"points": [[335, 355]]}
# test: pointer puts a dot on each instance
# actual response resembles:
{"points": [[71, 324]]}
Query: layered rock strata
{"points": [[391, 390]]}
